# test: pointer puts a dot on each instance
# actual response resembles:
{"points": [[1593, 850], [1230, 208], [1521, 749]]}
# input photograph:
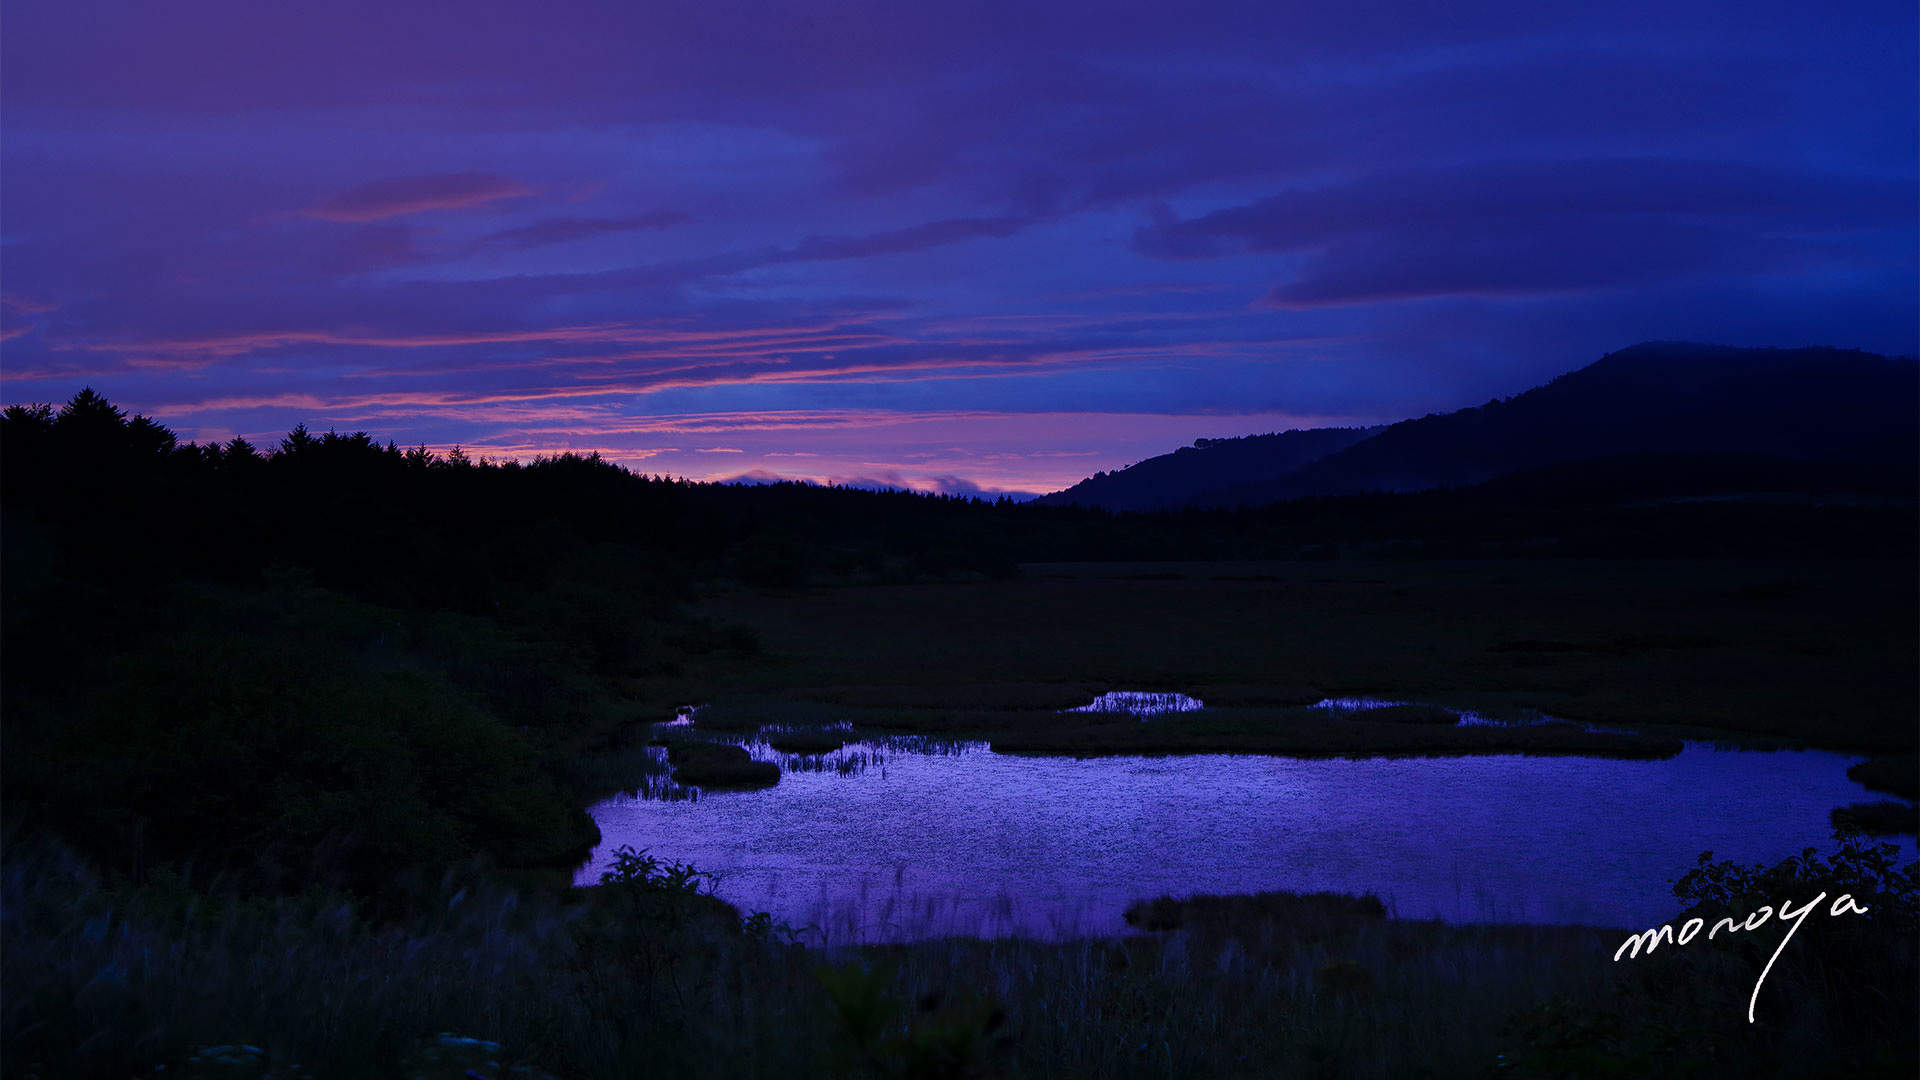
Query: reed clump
{"points": [[718, 765]]}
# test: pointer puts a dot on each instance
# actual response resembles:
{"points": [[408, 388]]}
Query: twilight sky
{"points": [[929, 244]]}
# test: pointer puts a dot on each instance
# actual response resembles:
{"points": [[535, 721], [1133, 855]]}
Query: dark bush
{"points": [[1885, 818], [1893, 774], [807, 742], [718, 765]]}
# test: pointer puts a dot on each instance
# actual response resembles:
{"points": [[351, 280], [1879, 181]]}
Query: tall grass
{"points": [[646, 975]]}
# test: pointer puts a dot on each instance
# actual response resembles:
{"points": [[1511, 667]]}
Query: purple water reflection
{"points": [[1141, 703], [984, 843]]}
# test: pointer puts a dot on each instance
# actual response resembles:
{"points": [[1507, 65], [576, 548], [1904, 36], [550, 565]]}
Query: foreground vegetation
{"points": [[647, 976]]}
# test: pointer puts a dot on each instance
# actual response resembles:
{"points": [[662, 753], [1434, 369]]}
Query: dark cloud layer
{"points": [[1514, 228], [949, 247], [560, 230]]}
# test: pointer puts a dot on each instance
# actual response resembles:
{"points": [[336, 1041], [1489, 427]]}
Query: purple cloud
{"points": [[404, 195]]}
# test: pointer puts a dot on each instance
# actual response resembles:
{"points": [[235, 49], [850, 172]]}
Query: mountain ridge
{"points": [[1816, 403], [1149, 484]]}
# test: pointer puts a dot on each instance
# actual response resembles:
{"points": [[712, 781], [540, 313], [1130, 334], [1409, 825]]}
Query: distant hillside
{"points": [[1171, 481], [1812, 404]]}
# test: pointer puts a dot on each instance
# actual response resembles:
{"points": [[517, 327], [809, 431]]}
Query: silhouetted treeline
{"points": [[410, 524], [130, 503]]}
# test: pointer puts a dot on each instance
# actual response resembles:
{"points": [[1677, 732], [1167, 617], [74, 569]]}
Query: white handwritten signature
{"points": [[1650, 939]]}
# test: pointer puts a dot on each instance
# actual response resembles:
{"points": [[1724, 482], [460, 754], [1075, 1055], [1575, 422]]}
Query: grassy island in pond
{"points": [[718, 765]]}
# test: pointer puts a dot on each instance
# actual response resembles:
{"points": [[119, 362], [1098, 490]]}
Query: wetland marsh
{"points": [[1474, 742], [974, 842]]}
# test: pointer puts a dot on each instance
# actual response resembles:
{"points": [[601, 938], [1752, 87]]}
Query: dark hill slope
{"points": [[1171, 481], [1812, 404]]}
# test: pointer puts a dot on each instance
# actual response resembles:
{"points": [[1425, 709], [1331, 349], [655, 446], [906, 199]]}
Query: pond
{"points": [[968, 841]]}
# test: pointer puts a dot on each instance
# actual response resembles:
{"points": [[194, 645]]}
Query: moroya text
{"points": [[1651, 939]]}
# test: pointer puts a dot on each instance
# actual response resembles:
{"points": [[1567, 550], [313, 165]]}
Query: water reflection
{"points": [[1140, 703], [968, 841], [1355, 704]]}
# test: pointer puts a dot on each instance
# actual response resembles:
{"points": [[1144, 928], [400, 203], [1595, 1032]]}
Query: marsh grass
{"points": [[1313, 732], [661, 788], [108, 979], [709, 764], [685, 780], [808, 742], [1690, 648], [1294, 730], [852, 763], [1320, 912], [1288, 730], [629, 767], [938, 745], [647, 975]]}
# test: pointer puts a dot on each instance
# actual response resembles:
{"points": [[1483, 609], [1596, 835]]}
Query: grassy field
{"points": [[1804, 652]]}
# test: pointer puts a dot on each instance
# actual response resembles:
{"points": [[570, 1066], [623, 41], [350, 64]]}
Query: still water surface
{"points": [[974, 842]]}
